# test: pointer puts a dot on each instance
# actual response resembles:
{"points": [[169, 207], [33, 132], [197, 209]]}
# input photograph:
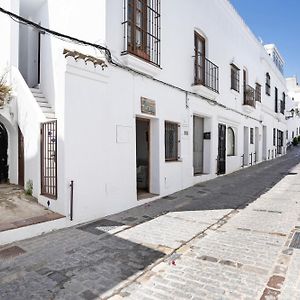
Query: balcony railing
{"points": [[249, 96], [206, 73]]}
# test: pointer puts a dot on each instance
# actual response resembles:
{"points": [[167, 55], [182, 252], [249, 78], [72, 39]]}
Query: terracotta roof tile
{"points": [[86, 58]]}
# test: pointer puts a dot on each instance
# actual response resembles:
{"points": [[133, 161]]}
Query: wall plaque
{"points": [[206, 135], [148, 106]]}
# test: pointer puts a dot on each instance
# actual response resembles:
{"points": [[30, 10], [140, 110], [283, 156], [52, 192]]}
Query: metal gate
{"points": [[49, 159], [222, 150]]}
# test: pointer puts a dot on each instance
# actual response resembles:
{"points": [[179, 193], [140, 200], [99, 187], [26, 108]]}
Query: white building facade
{"points": [[190, 94]]}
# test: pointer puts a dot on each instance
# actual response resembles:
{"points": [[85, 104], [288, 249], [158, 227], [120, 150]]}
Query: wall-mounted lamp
{"points": [[292, 112]]}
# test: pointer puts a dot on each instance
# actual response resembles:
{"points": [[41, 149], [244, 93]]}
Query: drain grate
{"points": [[295, 243], [11, 252]]}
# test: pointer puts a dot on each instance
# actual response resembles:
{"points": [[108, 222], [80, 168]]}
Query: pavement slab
{"points": [[228, 238]]}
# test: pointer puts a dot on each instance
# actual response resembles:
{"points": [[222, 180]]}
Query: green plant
{"points": [[5, 90], [29, 187], [295, 141]]}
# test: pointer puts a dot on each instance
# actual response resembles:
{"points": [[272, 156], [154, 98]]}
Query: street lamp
{"points": [[292, 111]]}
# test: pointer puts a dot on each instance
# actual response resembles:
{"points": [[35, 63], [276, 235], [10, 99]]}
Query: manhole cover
{"points": [[295, 243], [11, 252]]}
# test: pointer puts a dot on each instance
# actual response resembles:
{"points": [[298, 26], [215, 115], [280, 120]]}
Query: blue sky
{"points": [[278, 22]]}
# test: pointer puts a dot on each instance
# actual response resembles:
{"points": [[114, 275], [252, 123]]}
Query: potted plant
{"points": [[295, 141], [5, 90]]}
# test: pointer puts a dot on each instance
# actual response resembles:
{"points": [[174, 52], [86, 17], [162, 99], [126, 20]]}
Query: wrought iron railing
{"points": [[206, 73], [249, 96]]}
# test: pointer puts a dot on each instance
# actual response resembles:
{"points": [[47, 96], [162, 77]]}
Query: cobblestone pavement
{"points": [[228, 238]]}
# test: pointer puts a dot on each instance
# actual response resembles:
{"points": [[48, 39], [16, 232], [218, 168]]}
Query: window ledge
{"points": [[248, 109], [140, 65], [204, 91], [235, 92]]}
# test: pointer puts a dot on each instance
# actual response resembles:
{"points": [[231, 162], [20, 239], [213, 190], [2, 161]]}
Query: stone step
{"points": [[50, 115], [35, 91], [44, 104], [38, 96]]}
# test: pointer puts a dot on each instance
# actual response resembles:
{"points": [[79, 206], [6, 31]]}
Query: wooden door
{"points": [[198, 125], [222, 150], [20, 158]]}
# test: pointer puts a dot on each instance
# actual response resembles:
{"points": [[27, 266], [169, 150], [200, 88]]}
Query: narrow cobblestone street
{"points": [[229, 238]]}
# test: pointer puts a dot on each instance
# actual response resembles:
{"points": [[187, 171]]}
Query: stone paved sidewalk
{"points": [[224, 239]]}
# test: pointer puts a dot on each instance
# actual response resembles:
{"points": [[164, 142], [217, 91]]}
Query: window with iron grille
{"points": [[251, 136], [274, 137], [171, 141], [142, 29], [257, 92], [276, 99], [283, 103], [49, 159], [268, 84], [235, 78]]}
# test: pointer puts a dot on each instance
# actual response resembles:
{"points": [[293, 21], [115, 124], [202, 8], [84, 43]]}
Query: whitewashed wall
{"points": [[96, 109]]}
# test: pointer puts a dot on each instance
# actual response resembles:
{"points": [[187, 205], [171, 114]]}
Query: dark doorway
{"points": [[142, 155], [3, 154], [20, 158], [198, 131], [222, 150], [39, 57]]}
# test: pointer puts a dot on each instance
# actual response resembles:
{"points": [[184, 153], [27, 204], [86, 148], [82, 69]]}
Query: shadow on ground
{"points": [[85, 261]]}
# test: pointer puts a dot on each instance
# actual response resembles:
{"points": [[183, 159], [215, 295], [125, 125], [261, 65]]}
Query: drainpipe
{"points": [[71, 199]]}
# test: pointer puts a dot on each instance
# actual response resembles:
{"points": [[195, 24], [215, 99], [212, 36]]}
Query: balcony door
{"points": [[199, 59]]}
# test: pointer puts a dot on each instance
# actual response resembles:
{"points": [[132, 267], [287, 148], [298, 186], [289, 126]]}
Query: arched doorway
{"points": [[3, 154]]}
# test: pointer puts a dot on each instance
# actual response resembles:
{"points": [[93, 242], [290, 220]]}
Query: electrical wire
{"points": [[24, 21], [68, 38]]}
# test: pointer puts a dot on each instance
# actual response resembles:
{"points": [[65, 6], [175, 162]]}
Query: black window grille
{"points": [[274, 137], [251, 136], [276, 99], [171, 141], [142, 29], [49, 159], [268, 84], [235, 78]]}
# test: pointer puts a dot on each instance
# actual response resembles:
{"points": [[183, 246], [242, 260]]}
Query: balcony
{"points": [[206, 73]]}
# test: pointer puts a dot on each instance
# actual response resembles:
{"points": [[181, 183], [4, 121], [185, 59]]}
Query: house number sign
{"points": [[148, 106]]}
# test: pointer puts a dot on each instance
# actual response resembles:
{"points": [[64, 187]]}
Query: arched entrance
{"points": [[3, 154]]}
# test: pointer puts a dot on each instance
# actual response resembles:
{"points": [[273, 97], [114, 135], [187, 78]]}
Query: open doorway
{"points": [[142, 157], [3, 154], [264, 143], [246, 145], [198, 131], [20, 158]]}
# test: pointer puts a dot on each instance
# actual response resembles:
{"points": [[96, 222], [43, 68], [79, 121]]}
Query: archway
{"points": [[3, 154]]}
